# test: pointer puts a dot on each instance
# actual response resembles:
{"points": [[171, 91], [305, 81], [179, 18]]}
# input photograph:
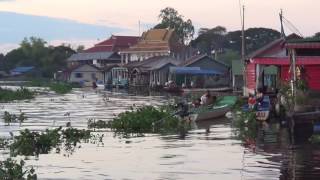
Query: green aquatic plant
{"points": [[245, 124], [58, 87], [12, 170], [30, 143], [3, 143], [100, 124], [7, 95], [146, 119], [12, 118]]}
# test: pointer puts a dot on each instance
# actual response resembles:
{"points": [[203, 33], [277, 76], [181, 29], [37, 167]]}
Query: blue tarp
{"points": [[193, 71], [21, 70]]}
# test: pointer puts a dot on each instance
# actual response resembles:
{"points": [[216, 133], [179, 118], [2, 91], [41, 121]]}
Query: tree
{"points": [[170, 18], [80, 48], [255, 38], [35, 52], [210, 40], [316, 35]]}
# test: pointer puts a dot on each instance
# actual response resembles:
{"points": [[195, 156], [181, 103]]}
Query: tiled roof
{"points": [[156, 40], [114, 43]]}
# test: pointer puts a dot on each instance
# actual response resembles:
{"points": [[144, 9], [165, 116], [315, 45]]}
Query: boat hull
{"points": [[216, 113]]}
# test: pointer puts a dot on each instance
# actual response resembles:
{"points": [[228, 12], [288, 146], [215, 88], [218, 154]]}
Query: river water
{"points": [[210, 151]]}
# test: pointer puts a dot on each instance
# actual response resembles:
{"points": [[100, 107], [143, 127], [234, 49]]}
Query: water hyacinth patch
{"points": [[7, 95], [146, 119], [246, 125], [12, 170], [100, 124], [12, 118], [57, 87], [30, 143]]}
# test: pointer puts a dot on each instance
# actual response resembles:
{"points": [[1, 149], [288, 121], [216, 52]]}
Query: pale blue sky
{"points": [[84, 21]]}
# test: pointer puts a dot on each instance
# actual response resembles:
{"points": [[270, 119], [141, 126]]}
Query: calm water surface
{"points": [[208, 152]]}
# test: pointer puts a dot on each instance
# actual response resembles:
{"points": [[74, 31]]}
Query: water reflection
{"points": [[210, 151]]}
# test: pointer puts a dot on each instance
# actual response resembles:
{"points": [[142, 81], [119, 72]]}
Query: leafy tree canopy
{"points": [[170, 18], [35, 52], [228, 44]]}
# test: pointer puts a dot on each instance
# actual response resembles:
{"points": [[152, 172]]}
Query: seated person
{"points": [[206, 98], [196, 103], [251, 101], [259, 96]]}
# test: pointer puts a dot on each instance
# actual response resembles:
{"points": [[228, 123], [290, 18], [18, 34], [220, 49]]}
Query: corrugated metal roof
{"points": [[153, 63], [196, 58], [22, 69], [90, 56], [193, 71]]}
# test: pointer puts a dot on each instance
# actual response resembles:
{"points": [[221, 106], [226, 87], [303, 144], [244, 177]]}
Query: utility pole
{"points": [[243, 55], [139, 28], [281, 21]]}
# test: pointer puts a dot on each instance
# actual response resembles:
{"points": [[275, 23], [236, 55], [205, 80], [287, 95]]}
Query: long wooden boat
{"points": [[262, 109], [219, 109]]}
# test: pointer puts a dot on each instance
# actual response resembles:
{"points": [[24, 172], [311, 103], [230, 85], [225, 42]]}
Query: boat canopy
{"points": [[193, 71]]}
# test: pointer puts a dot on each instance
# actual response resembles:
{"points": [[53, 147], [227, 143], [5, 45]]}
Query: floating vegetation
{"points": [[3, 143], [147, 119], [7, 95], [93, 124], [58, 87], [30, 143], [12, 118], [12, 170], [246, 125]]}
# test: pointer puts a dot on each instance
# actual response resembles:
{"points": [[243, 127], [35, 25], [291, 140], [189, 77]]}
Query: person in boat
{"points": [[206, 98], [196, 103], [259, 96], [252, 101]]}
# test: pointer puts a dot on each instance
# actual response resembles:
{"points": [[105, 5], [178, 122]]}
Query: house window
{"points": [[78, 75]]}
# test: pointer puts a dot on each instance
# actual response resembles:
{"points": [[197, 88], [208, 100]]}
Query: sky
{"points": [[86, 22]]}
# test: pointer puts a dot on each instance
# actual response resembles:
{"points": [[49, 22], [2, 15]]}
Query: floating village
{"points": [[224, 105]]}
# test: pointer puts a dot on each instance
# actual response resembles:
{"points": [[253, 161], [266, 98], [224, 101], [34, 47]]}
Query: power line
{"points": [[291, 27]]}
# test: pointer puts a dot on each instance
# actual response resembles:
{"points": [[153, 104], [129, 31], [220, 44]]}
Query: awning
{"points": [[193, 71], [285, 61]]}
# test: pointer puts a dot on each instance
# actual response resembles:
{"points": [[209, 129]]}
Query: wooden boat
{"points": [[219, 109], [262, 109]]}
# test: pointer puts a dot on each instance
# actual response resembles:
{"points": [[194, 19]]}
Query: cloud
{"points": [[17, 26]]}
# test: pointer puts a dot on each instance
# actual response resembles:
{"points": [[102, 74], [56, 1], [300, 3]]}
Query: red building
{"points": [[104, 53], [114, 44], [276, 54]]}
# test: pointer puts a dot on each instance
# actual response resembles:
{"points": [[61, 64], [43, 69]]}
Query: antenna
{"points": [[281, 21]]}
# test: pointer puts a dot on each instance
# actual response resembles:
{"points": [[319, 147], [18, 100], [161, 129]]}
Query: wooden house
{"points": [[152, 72], [86, 74], [212, 73], [276, 54]]}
